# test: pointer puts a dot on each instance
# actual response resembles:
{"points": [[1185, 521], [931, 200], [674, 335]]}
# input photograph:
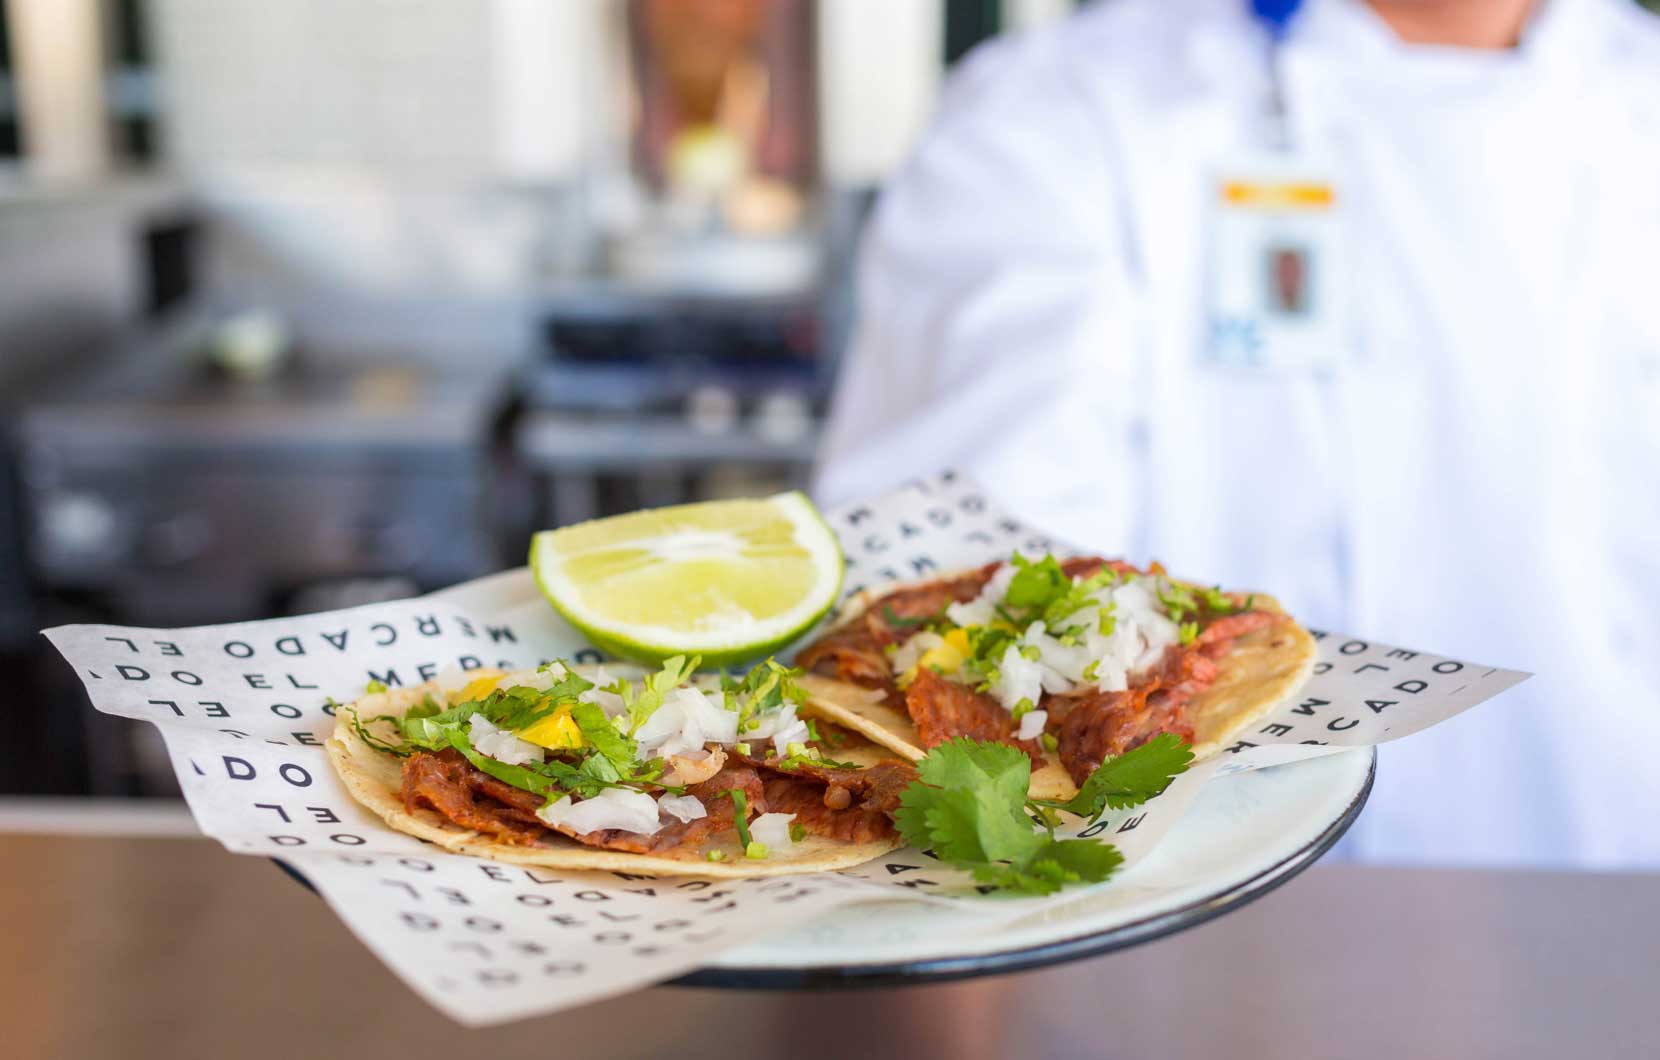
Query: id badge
{"points": [[1274, 295]]}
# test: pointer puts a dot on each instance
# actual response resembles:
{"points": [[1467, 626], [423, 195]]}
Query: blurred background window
{"points": [[131, 82]]}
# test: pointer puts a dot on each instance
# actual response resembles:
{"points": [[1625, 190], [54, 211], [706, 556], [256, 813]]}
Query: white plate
{"points": [[1246, 834]]}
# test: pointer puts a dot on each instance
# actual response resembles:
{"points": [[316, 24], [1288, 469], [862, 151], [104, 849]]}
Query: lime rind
{"points": [[737, 644]]}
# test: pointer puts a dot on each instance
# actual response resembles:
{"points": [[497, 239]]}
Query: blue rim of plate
{"points": [[1023, 958]]}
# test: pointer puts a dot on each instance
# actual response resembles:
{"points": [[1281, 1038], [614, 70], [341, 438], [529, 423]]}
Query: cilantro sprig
{"points": [[361, 728], [1041, 589], [520, 706], [427, 725], [1036, 583], [969, 806], [1129, 779], [602, 735], [767, 687]]}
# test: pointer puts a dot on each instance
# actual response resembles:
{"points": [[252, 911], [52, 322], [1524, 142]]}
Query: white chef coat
{"points": [[1480, 478]]}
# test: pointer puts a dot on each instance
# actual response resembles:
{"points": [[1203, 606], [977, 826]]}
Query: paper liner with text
{"points": [[244, 709]]}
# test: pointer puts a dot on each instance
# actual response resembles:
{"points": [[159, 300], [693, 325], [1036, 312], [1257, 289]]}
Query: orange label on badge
{"points": [[1255, 195]]}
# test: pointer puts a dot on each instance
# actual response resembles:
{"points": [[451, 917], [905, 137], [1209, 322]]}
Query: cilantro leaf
{"points": [[966, 763], [965, 826], [968, 804], [431, 731], [1129, 779], [916, 804], [518, 776], [1057, 863], [513, 708], [360, 727], [426, 708], [969, 807], [569, 687], [550, 778], [603, 736], [600, 770], [1036, 585], [519, 706], [1084, 860]]}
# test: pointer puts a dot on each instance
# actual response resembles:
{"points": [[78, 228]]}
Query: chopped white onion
{"points": [[982, 610], [540, 679], [773, 829], [976, 612], [620, 808], [1142, 632], [781, 726], [1031, 724], [795, 733], [610, 702], [686, 721], [682, 808], [1022, 678], [500, 744], [776, 720]]}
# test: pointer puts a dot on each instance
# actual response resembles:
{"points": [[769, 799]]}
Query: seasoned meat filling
{"points": [[1088, 725], [847, 804]]}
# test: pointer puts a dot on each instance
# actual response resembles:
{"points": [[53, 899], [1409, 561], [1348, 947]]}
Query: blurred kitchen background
{"points": [[314, 303]]}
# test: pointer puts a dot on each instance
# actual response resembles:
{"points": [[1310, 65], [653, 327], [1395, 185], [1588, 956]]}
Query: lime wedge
{"points": [[728, 580]]}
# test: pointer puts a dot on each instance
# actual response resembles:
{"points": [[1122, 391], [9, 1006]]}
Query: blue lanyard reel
{"points": [[1276, 17]]}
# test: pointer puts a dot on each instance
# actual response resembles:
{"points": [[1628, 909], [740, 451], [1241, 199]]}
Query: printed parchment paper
{"points": [[244, 711]]}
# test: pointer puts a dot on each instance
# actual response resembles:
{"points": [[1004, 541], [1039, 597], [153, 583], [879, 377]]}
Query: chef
{"points": [[1353, 301]]}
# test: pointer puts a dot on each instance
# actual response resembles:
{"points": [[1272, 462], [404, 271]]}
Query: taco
{"points": [[574, 767], [1072, 661]]}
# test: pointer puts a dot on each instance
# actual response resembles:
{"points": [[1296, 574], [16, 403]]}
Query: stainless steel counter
{"points": [[152, 947]]}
